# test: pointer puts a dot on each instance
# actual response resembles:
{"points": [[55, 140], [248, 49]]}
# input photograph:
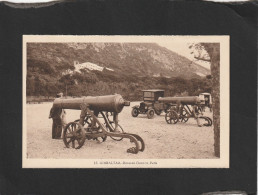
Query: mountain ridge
{"points": [[141, 58], [51, 68]]}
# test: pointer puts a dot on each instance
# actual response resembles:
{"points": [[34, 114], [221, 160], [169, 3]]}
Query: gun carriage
{"points": [[98, 120], [183, 108], [150, 104]]}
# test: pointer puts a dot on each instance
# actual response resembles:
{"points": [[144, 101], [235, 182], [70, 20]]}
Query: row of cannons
{"points": [[177, 109], [99, 118]]}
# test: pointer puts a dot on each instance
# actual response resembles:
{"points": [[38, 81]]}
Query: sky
{"points": [[182, 48]]}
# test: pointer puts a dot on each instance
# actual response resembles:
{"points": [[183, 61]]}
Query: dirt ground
{"points": [[162, 140]]}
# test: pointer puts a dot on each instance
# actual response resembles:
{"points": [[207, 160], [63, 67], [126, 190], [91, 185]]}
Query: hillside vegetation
{"points": [[136, 66]]}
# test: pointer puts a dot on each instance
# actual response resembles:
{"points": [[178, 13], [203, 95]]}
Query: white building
{"points": [[89, 66]]}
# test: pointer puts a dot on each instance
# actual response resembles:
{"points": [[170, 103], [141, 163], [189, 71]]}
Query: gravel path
{"points": [[162, 140]]}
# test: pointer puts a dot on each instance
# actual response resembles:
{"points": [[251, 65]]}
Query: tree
{"points": [[210, 52], [66, 81], [40, 86]]}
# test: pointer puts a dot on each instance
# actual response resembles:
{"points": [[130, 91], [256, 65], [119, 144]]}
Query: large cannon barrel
{"points": [[191, 100], [109, 103]]}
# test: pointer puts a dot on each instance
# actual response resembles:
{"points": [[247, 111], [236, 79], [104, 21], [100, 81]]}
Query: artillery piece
{"points": [[180, 110], [90, 126]]}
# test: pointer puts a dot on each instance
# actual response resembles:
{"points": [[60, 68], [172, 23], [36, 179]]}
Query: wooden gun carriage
{"points": [[90, 126], [183, 108]]}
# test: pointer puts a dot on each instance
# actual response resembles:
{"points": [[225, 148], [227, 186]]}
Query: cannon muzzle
{"points": [[109, 103], [191, 100]]}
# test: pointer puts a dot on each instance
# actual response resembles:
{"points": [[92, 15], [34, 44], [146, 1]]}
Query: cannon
{"points": [[180, 110], [190, 100], [95, 121]]}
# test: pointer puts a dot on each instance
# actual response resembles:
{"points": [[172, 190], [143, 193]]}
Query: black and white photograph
{"points": [[125, 101]]}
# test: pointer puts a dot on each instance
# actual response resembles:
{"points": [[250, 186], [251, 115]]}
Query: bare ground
{"points": [[162, 140]]}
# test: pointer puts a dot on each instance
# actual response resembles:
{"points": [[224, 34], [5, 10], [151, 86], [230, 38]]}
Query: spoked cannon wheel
{"points": [[171, 117], [184, 117], [74, 135]]}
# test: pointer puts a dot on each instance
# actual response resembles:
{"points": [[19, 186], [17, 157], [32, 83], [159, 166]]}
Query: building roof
{"points": [[154, 90]]}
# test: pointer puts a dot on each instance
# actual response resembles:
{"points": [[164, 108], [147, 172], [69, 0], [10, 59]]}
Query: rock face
{"points": [[140, 59]]}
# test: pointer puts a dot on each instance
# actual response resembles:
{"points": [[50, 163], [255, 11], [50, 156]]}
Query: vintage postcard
{"points": [[126, 101]]}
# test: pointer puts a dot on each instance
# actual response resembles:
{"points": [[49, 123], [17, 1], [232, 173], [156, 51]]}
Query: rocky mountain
{"points": [[136, 59], [81, 69]]}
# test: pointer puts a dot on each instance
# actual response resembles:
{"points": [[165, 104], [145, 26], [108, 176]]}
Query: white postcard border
{"points": [[222, 162]]}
